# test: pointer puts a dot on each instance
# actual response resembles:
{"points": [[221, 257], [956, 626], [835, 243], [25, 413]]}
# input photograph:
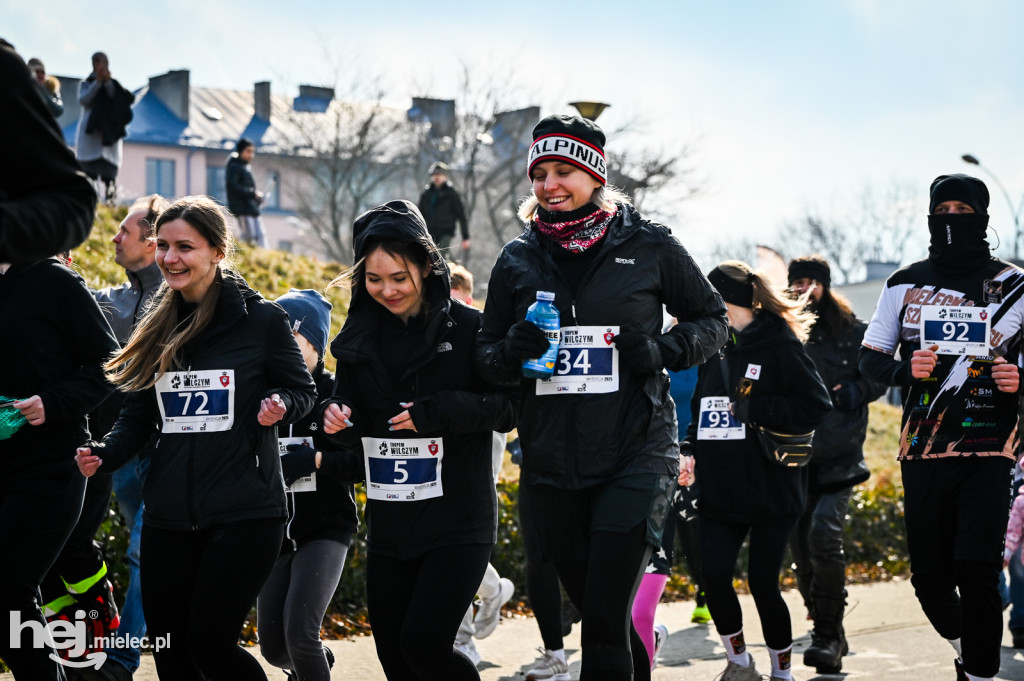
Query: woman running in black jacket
{"points": [[600, 452], [418, 418], [762, 377], [211, 369]]}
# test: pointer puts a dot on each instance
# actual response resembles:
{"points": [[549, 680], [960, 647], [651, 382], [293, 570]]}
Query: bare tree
{"points": [[878, 226], [351, 153]]}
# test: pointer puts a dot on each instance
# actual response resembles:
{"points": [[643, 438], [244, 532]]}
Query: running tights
{"points": [[416, 607]]}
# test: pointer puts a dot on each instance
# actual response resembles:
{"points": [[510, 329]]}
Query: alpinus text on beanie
{"points": [[569, 139]]}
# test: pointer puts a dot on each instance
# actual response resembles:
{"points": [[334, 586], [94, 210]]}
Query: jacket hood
{"points": [[399, 220]]}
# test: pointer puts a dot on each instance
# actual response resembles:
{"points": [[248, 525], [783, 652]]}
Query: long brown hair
{"points": [[768, 298], [158, 338]]}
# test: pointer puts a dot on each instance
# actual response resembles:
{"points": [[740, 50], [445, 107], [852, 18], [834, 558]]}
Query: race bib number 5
{"points": [[957, 330], [403, 470], [196, 401], [588, 362]]}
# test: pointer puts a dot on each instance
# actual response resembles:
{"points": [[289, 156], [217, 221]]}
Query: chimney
{"points": [[172, 89], [261, 100]]}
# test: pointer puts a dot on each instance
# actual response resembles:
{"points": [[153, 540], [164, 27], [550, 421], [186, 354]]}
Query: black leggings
{"points": [[39, 506], [197, 589], [720, 544], [415, 609], [602, 588], [541, 578]]}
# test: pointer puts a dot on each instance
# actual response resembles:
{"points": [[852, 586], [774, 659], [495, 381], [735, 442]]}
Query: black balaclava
{"points": [[958, 239]]}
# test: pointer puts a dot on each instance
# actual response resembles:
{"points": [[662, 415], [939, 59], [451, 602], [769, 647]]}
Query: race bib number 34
{"points": [[403, 470], [587, 362], [957, 330], [196, 401]]}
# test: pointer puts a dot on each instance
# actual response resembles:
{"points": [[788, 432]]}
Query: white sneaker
{"points": [[660, 636], [737, 672], [548, 668], [486, 620], [469, 650]]}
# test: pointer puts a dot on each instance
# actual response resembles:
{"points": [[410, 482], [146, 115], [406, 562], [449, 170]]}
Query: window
{"points": [[160, 176], [215, 183], [272, 193]]}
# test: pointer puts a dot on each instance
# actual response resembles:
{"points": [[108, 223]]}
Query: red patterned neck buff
{"points": [[576, 230]]}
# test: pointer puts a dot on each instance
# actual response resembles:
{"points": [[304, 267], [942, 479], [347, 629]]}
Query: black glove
{"points": [[639, 353], [299, 462], [525, 341], [847, 396]]}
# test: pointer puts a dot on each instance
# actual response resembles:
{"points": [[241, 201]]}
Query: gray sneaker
{"points": [[486, 620], [548, 668], [737, 672]]}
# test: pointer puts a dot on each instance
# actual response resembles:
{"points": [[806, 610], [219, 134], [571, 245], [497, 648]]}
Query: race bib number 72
{"points": [[196, 401]]}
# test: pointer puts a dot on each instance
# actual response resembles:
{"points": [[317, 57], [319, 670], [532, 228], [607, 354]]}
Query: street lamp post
{"points": [[590, 110], [1015, 211]]}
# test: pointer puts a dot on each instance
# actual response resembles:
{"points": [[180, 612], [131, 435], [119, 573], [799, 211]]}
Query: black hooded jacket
{"points": [[838, 460], [330, 511], [737, 481], [199, 479], [575, 440], [429, 362]]}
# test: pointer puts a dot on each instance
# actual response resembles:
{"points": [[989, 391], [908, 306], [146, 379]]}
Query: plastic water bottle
{"points": [[544, 314]]}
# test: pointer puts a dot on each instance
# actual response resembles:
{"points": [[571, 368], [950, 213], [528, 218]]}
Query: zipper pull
{"points": [[575, 321]]}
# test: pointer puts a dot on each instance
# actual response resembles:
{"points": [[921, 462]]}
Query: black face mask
{"points": [[958, 240]]}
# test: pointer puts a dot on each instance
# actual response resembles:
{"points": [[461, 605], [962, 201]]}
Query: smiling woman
{"points": [[213, 367]]}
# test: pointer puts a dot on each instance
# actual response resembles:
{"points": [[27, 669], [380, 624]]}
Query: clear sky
{"points": [[793, 104]]}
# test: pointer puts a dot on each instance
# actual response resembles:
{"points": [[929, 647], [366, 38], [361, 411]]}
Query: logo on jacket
{"points": [[625, 261], [225, 379], [993, 291], [444, 347], [432, 448]]}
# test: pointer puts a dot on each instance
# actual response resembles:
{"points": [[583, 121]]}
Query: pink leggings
{"points": [[647, 597]]}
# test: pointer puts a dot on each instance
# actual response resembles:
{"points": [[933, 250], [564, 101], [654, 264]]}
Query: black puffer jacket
{"points": [[429, 362], [839, 440], [737, 481], [442, 209], [241, 187], [330, 511], [198, 479], [576, 440]]}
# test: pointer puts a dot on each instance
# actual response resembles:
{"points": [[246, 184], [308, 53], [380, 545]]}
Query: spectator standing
{"points": [[838, 461], [243, 198], [106, 113], [956, 320], [49, 87], [442, 207]]}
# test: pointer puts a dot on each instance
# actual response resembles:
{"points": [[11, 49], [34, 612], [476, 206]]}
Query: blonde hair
{"points": [[771, 299], [158, 338], [605, 197], [462, 279]]}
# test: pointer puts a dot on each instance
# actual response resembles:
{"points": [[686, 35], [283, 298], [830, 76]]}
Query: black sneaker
{"points": [[1018, 637]]}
